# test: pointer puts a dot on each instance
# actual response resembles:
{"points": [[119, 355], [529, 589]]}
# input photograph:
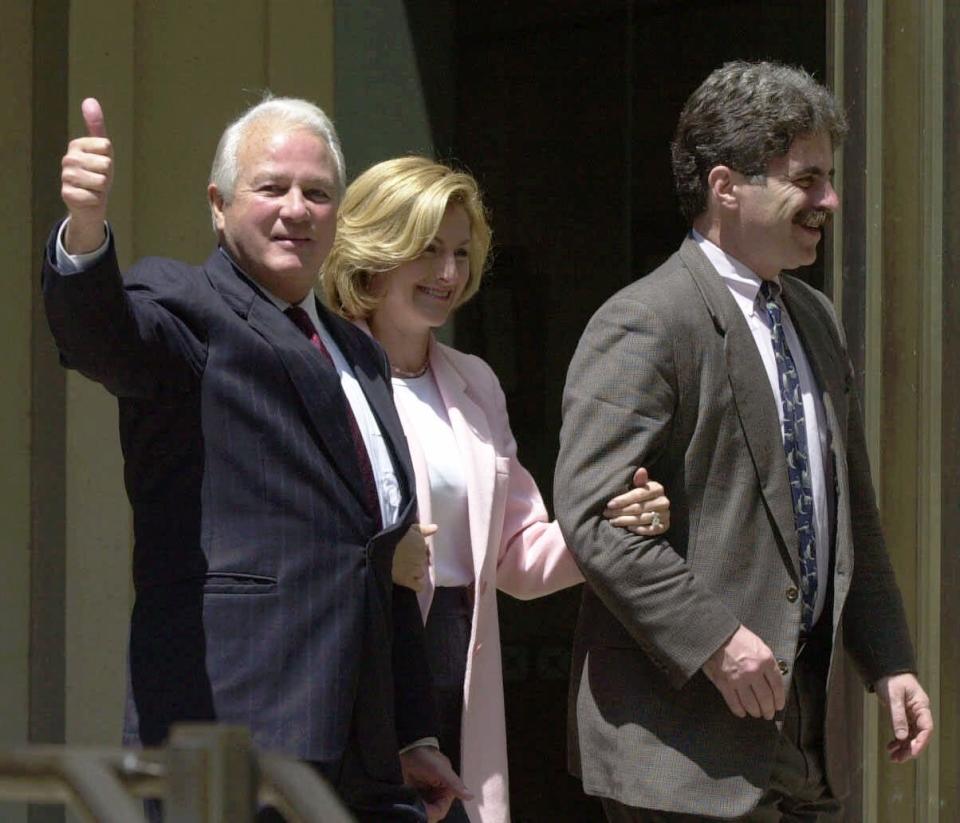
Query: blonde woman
{"points": [[412, 242]]}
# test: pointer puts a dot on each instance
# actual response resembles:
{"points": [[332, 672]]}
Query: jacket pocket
{"points": [[238, 583]]}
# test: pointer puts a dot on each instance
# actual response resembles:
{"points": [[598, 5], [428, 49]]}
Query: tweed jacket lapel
{"points": [[754, 402]]}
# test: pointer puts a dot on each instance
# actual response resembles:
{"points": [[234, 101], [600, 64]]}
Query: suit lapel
{"points": [[370, 375], [317, 384], [471, 430], [754, 402]]}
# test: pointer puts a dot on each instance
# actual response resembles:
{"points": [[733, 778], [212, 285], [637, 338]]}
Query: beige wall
{"points": [[15, 234], [911, 282], [170, 75], [98, 524], [894, 63], [381, 106]]}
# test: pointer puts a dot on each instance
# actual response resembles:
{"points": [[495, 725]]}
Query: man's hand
{"points": [[745, 672], [643, 510], [412, 557], [910, 715], [86, 177], [429, 772]]}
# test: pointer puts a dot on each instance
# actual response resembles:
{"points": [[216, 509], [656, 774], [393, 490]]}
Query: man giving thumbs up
{"points": [[266, 467]]}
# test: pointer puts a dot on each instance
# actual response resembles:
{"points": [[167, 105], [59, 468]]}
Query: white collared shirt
{"points": [[744, 285]]}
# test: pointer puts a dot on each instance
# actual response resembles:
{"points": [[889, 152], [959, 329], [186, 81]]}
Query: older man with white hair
{"points": [[267, 470]]}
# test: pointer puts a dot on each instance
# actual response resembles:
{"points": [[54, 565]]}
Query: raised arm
{"points": [[140, 336]]}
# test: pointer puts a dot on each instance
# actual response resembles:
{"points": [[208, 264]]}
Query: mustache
{"points": [[813, 217]]}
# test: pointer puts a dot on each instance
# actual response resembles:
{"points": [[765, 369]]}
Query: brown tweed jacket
{"points": [[667, 375]]}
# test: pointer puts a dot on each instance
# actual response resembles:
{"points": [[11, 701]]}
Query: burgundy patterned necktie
{"points": [[302, 321]]}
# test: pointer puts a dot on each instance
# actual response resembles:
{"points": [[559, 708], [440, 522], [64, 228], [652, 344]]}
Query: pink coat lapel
{"points": [[471, 430]]}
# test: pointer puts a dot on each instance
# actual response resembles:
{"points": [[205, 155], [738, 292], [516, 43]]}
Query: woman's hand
{"points": [[412, 557], [643, 510]]}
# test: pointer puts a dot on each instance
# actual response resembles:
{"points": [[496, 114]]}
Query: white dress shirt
{"points": [[744, 285]]}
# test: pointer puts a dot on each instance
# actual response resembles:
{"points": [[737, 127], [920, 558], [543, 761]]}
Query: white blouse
{"points": [[450, 554]]}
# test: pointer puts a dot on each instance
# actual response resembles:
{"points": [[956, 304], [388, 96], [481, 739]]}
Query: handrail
{"points": [[99, 793], [86, 780], [294, 789], [207, 774]]}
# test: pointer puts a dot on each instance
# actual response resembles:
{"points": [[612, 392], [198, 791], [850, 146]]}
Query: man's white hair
{"points": [[291, 112]]}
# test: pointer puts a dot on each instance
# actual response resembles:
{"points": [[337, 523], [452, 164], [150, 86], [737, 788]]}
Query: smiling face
{"points": [[280, 222], [418, 296], [780, 220]]}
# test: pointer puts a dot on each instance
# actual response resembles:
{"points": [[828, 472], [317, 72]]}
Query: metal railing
{"points": [[206, 774]]}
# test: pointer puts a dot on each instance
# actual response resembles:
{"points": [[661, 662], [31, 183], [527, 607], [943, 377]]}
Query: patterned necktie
{"points": [[795, 447], [303, 322]]}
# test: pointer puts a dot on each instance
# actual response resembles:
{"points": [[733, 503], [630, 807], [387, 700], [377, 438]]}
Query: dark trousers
{"points": [[798, 792], [447, 636]]}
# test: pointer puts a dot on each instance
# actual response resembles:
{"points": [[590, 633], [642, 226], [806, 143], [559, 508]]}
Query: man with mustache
{"points": [[707, 662]]}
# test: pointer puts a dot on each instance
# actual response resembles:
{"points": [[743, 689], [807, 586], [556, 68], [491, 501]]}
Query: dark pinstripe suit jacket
{"points": [[667, 375], [263, 586]]}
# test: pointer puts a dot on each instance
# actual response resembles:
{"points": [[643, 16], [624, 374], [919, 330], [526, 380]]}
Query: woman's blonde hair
{"points": [[389, 215]]}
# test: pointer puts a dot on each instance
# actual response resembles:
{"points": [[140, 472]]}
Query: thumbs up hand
{"points": [[86, 178]]}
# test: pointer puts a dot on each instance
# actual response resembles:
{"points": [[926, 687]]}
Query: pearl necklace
{"points": [[410, 375]]}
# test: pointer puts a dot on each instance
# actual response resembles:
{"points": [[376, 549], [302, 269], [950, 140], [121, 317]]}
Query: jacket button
{"points": [[792, 594], [483, 587], [782, 666]]}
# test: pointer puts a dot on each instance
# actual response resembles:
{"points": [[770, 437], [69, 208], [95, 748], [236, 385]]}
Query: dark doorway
{"points": [[564, 111]]}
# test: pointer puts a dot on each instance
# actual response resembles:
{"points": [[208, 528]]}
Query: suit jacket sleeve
{"points": [[621, 396], [874, 623], [124, 334]]}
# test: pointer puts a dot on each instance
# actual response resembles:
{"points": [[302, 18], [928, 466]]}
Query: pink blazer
{"points": [[515, 548]]}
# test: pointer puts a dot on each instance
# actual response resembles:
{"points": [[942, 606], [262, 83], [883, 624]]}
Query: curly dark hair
{"points": [[742, 116]]}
